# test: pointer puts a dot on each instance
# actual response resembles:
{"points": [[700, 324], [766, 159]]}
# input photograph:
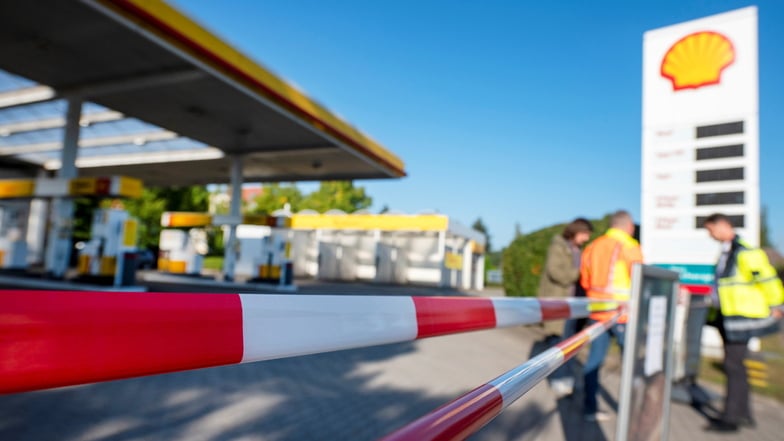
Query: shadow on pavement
{"points": [[315, 397], [574, 427], [700, 399], [570, 407], [510, 425]]}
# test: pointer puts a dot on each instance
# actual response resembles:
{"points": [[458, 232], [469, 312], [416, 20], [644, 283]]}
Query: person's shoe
{"points": [[721, 426], [747, 422], [561, 389], [597, 417]]}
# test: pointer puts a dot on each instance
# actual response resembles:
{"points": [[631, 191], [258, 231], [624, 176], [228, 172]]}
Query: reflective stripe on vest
{"points": [[750, 287], [609, 291], [748, 324], [603, 306], [607, 272], [613, 263]]}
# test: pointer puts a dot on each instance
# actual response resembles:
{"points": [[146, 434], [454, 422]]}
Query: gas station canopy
{"points": [[146, 61]]}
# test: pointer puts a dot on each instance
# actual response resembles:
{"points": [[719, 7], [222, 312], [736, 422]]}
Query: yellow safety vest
{"points": [[748, 287], [605, 271]]}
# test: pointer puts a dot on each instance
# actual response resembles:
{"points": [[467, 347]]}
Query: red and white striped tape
{"points": [[59, 338], [468, 413]]}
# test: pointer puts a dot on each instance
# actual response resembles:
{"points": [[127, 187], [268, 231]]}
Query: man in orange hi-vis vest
{"points": [[605, 273]]}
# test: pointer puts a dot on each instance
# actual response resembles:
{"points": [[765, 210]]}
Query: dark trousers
{"points": [[596, 356], [736, 401]]}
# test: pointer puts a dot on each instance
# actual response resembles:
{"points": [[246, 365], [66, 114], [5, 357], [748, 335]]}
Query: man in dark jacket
{"points": [[748, 292]]}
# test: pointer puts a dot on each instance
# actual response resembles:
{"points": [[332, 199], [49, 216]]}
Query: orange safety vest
{"points": [[606, 268]]}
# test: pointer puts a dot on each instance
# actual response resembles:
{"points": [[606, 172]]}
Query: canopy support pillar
{"points": [[59, 248], [232, 244], [442, 258]]}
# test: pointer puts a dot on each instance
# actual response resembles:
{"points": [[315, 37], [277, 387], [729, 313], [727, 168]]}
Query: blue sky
{"points": [[518, 112]]}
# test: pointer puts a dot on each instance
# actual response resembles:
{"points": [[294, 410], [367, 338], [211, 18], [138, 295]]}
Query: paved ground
{"points": [[349, 395]]}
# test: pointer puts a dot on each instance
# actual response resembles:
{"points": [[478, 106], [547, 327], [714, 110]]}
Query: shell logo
{"points": [[697, 60]]}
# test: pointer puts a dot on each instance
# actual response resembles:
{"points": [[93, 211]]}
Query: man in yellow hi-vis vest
{"points": [[748, 292], [605, 273]]}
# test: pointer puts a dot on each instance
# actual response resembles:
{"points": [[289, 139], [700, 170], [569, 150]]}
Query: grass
{"points": [[213, 262], [773, 355]]}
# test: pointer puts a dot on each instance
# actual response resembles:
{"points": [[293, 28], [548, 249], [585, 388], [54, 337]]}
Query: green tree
{"points": [[523, 260], [764, 234], [341, 195], [276, 196], [493, 260], [479, 226], [220, 202], [83, 217], [148, 209], [518, 230]]}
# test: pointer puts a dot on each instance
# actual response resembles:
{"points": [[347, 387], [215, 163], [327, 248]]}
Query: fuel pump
{"points": [[182, 251], [274, 263], [22, 207], [109, 255], [14, 217], [183, 242]]}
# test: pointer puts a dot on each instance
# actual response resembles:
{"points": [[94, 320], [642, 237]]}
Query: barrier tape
{"points": [[468, 413], [60, 338]]}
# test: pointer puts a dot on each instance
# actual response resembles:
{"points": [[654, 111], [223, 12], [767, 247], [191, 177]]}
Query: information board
{"points": [[644, 401]]}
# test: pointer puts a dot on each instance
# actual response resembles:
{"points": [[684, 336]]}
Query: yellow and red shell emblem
{"points": [[697, 60]]}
